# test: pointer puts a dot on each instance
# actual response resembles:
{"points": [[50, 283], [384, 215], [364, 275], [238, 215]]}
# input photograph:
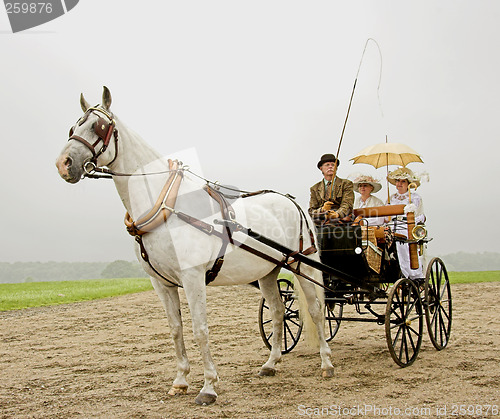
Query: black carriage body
{"points": [[342, 247]]}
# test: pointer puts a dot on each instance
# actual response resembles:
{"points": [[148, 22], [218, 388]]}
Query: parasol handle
{"points": [[411, 185]]}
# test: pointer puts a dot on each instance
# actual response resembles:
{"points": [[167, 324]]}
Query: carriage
{"points": [[190, 234], [361, 269]]}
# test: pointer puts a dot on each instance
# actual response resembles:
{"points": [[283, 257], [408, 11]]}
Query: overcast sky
{"points": [[259, 89]]}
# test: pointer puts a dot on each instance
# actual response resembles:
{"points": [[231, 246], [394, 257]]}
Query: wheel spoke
{"points": [[444, 289], [396, 337], [290, 332], [267, 321], [294, 322], [443, 313], [443, 329]]}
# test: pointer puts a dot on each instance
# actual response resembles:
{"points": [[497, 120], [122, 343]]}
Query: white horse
{"points": [[179, 253]]}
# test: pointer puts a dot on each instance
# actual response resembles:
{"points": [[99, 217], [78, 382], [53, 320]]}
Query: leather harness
{"points": [[164, 207]]}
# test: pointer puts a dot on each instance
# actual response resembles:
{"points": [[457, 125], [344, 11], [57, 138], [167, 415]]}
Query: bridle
{"points": [[104, 129]]}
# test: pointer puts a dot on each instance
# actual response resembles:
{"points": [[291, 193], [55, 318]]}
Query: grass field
{"points": [[37, 294], [478, 276]]}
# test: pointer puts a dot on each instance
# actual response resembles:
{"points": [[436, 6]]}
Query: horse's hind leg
{"points": [[169, 297], [315, 308], [269, 288]]}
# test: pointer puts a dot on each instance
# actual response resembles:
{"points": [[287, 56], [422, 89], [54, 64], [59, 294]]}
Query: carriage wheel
{"points": [[437, 305], [404, 322], [292, 324], [333, 314]]}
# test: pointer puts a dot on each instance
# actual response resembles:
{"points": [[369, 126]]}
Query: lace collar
{"points": [[400, 197]]}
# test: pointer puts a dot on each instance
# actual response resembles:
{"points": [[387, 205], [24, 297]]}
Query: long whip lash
{"points": [[350, 101]]}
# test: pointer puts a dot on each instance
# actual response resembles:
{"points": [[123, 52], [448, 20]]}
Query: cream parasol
{"points": [[385, 154]]}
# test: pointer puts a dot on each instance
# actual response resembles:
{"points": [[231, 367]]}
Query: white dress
{"points": [[372, 201], [401, 228]]}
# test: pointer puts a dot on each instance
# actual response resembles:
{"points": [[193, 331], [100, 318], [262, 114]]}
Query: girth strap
{"points": [[227, 214], [145, 257]]}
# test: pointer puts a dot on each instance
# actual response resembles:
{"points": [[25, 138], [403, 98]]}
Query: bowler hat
{"points": [[326, 158]]}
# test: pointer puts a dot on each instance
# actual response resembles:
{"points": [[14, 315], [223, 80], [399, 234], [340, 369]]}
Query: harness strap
{"points": [[162, 208], [204, 227], [248, 194], [145, 257], [91, 147], [227, 213]]}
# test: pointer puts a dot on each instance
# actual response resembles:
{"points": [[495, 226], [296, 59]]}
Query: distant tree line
{"points": [[68, 271], [461, 261]]}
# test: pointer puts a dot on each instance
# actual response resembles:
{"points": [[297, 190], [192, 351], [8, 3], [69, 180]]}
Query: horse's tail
{"points": [[309, 328]]}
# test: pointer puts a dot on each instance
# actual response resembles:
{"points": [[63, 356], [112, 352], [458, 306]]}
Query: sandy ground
{"points": [[114, 359]]}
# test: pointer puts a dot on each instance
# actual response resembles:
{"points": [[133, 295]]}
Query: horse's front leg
{"points": [[197, 300], [169, 297], [269, 288]]}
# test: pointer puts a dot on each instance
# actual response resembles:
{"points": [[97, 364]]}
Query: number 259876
{"points": [[28, 8]]}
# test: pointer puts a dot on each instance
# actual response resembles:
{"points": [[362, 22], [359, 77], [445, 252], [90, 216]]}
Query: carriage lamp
{"points": [[419, 232]]}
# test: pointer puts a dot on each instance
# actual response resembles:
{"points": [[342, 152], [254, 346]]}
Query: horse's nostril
{"points": [[68, 162]]}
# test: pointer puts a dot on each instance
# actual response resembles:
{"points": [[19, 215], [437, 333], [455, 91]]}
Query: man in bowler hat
{"points": [[332, 197]]}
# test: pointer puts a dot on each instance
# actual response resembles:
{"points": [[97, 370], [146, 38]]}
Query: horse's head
{"points": [[92, 141]]}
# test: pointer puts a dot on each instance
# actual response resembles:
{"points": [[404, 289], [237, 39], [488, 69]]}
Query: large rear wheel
{"points": [[437, 304], [292, 324], [404, 322]]}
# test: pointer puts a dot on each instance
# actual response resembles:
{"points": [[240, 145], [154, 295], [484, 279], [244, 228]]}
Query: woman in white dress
{"points": [[401, 178], [366, 186]]}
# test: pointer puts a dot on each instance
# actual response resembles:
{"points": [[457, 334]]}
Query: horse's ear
{"points": [[106, 98], [83, 103]]}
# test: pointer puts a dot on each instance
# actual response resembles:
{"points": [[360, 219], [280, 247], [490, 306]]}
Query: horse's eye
{"points": [[71, 131]]}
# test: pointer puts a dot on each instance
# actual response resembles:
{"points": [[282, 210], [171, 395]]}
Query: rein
{"points": [[91, 169]]}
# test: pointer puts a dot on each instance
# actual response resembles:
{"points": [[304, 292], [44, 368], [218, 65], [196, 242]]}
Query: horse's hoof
{"points": [[267, 372], [204, 399], [178, 390], [328, 373]]}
